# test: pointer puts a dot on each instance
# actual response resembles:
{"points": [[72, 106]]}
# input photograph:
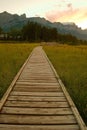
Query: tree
{"points": [[35, 32], [14, 34], [1, 30]]}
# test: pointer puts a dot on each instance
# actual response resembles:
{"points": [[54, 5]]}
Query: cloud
{"points": [[61, 15], [69, 5], [68, 14]]}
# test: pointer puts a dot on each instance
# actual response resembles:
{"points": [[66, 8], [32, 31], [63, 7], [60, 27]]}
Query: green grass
{"points": [[12, 57], [71, 65]]}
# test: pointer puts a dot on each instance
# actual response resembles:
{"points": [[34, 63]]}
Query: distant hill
{"points": [[8, 21]]}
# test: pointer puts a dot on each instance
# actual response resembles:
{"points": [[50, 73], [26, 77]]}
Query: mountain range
{"points": [[9, 21]]}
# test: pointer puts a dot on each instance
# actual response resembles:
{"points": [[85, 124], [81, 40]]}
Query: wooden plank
{"points": [[39, 79], [35, 81], [28, 83], [40, 84], [33, 76], [27, 72], [49, 94], [38, 127], [37, 111], [32, 84], [36, 89], [36, 104], [37, 86], [34, 68], [25, 119], [22, 77], [38, 71], [35, 99]]}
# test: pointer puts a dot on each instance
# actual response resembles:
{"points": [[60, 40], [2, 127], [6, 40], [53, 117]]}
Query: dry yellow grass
{"points": [[12, 56], [71, 65]]}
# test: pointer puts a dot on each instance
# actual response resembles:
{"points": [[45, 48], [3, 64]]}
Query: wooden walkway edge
{"points": [[38, 100]]}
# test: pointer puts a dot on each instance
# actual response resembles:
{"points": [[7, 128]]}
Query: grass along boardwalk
{"points": [[38, 100]]}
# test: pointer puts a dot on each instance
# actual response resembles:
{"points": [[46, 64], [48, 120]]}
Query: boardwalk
{"points": [[37, 99]]}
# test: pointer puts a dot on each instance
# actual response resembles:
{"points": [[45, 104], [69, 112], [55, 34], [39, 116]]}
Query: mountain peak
{"points": [[69, 23], [5, 13], [23, 15]]}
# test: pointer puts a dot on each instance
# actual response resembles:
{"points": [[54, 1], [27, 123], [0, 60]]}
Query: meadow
{"points": [[70, 63], [12, 57]]}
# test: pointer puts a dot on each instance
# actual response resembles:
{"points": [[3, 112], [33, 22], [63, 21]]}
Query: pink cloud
{"points": [[60, 15], [68, 15]]}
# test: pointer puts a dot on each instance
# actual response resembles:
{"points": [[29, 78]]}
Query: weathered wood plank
{"points": [[26, 77], [42, 99], [37, 111], [43, 94], [38, 127], [38, 74], [36, 104], [37, 77], [28, 83], [36, 89], [39, 80], [38, 86], [25, 119], [35, 81]]}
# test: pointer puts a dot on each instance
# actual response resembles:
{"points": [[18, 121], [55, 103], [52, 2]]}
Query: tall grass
{"points": [[71, 65], [12, 56]]}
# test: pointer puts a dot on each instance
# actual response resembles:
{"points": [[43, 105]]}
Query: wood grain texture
{"points": [[49, 94], [38, 127], [37, 111], [29, 104], [27, 119]]}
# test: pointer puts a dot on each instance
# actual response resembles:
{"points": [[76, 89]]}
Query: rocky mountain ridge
{"points": [[9, 21]]}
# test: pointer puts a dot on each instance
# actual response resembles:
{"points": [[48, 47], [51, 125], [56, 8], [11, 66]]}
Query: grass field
{"points": [[71, 65], [69, 61], [12, 56]]}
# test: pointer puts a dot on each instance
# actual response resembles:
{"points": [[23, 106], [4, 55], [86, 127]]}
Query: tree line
{"points": [[34, 32]]}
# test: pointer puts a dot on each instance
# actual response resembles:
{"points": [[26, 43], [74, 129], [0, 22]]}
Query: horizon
{"points": [[54, 10]]}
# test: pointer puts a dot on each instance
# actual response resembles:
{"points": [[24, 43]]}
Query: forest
{"points": [[34, 32]]}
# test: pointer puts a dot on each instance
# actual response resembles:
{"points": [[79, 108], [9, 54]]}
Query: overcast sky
{"points": [[53, 10]]}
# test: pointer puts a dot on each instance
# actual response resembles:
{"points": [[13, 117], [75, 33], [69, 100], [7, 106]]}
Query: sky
{"points": [[53, 10]]}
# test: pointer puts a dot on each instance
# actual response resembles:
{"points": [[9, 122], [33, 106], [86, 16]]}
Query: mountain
{"points": [[72, 29], [9, 21]]}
